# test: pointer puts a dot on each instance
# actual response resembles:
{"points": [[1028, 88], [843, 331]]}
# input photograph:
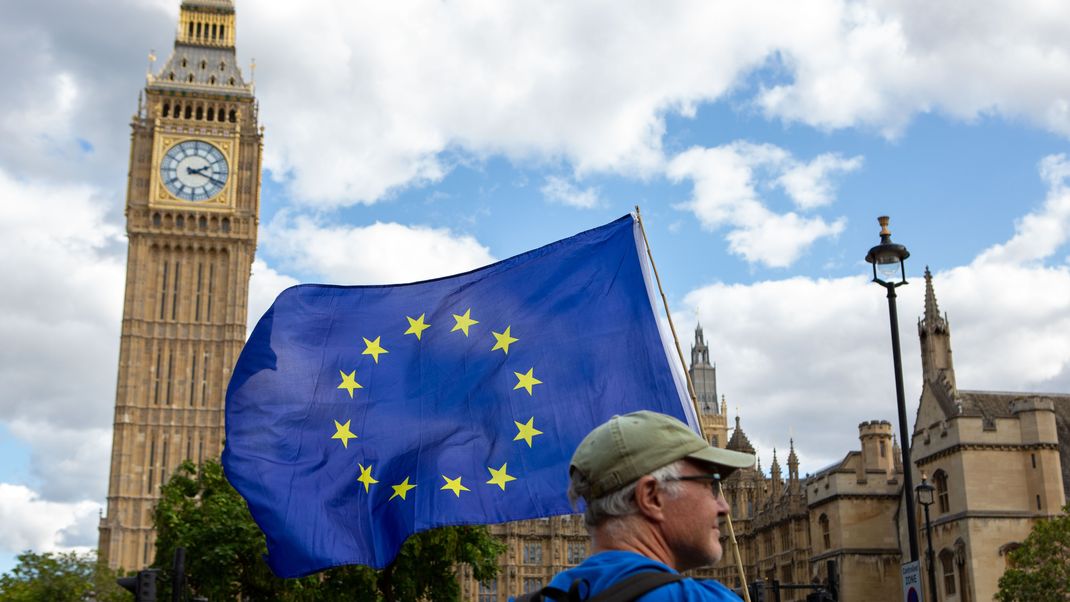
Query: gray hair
{"points": [[620, 503]]}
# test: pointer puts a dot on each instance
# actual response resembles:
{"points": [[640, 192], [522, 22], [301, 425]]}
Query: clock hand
{"points": [[199, 171], [212, 179]]}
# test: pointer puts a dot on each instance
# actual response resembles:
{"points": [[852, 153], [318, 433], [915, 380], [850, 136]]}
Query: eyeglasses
{"points": [[713, 479]]}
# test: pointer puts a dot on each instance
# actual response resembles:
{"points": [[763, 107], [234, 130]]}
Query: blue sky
{"points": [[405, 142]]}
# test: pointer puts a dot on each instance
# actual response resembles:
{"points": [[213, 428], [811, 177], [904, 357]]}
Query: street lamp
{"points": [[889, 271], [925, 498]]}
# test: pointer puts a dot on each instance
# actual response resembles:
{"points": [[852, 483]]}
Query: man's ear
{"points": [[650, 499]]}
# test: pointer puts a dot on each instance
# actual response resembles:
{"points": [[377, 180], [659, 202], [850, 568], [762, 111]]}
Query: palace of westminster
{"points": [[192, 211]]}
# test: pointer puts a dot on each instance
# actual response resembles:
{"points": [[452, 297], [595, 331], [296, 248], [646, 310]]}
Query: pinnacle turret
{"points": [[934, 333], [739, 441]]}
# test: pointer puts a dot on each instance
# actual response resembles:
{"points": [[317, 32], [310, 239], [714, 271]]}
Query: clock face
{"points": [[194, 170]]}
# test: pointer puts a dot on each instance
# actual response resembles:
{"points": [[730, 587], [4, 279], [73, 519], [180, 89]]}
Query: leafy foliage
{"points": [[200, 511], [60, 578], [1040, 568]]}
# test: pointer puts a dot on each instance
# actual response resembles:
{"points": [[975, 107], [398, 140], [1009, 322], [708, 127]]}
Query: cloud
{"points": [[726, 181], [367, 99], [380, 253], [813, 355], [59, 318], [29, 522], [1040, 233], [264, 285], [61, 302], [810, 184], [877, 64], [560, 190]]}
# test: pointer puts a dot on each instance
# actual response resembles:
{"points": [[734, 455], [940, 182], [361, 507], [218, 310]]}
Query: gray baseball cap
{"points": [[621, 450]]}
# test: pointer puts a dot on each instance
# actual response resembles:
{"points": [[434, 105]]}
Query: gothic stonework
{"points": [[193, 199], [1000, 462], [846, 517]]}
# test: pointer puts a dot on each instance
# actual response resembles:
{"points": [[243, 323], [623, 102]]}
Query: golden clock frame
{"points": [[161, 197]]}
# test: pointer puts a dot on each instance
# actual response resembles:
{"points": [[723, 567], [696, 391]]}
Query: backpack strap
{"points": [[546, 593], [625, 590], [631, 588]]}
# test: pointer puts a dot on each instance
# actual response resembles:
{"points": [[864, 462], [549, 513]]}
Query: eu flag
{"points": [[359, 415]]}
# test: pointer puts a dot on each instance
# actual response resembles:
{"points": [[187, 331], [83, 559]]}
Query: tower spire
{"points": [[704, 375], [932, 310], [934, 333], [793, 466]]}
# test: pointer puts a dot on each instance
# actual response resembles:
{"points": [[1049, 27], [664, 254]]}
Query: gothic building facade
{"points": [[1000, 462], [193, 198]]}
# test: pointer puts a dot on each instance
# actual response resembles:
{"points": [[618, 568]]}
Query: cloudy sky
{"points": [[418, 139]]}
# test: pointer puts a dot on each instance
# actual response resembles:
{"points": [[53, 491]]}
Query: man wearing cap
{"points": [[652, 505]]}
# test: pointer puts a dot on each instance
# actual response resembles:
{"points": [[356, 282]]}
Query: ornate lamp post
{"points": [[889, 271], [925, 498]]}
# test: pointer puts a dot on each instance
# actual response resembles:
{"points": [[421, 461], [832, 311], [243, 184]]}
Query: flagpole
{"points": [[694, 398]]}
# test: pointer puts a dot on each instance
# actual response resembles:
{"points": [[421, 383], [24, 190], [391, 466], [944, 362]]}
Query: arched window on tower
{"points": [[166, 109], [211, 80], [190, 35], [200, 111], [171, 76], [211, 110], [189, 78], [233, 117], [940, 481], [226, 224], [947, 569], [189, 110], [204, 64], [823, 524]]}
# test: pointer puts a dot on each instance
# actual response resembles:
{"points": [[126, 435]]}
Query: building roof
{"points": [[200, 67], [739, 441], [224, 5]]}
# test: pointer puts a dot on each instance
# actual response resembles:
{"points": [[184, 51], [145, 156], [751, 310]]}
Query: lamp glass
{"points": [[925, 493], [890, 268]]}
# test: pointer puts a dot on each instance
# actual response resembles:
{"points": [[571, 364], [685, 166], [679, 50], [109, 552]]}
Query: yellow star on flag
{"points": [[401, 489], [342, 432], [504, 340], [417, 326], [349, 382], [366, 477], [526, 381], [373, 349], [454, 485], [526, 431], [463, 322], [499, 477]]}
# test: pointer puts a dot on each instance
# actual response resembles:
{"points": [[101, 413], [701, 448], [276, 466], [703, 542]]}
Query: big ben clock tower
{"points": [[193, 197]]}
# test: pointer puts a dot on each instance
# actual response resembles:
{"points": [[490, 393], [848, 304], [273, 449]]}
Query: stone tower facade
{"points": [[193, 198], [712, 415]]}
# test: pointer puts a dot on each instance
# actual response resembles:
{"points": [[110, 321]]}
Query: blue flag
{"points": [[359, 415]]}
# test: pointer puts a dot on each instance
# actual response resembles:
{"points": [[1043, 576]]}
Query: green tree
{"points": [[1040, 568], [200, 511], [60, 578]]}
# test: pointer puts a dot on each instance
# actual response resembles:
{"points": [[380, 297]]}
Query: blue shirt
{"points": [[604, 569]]}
